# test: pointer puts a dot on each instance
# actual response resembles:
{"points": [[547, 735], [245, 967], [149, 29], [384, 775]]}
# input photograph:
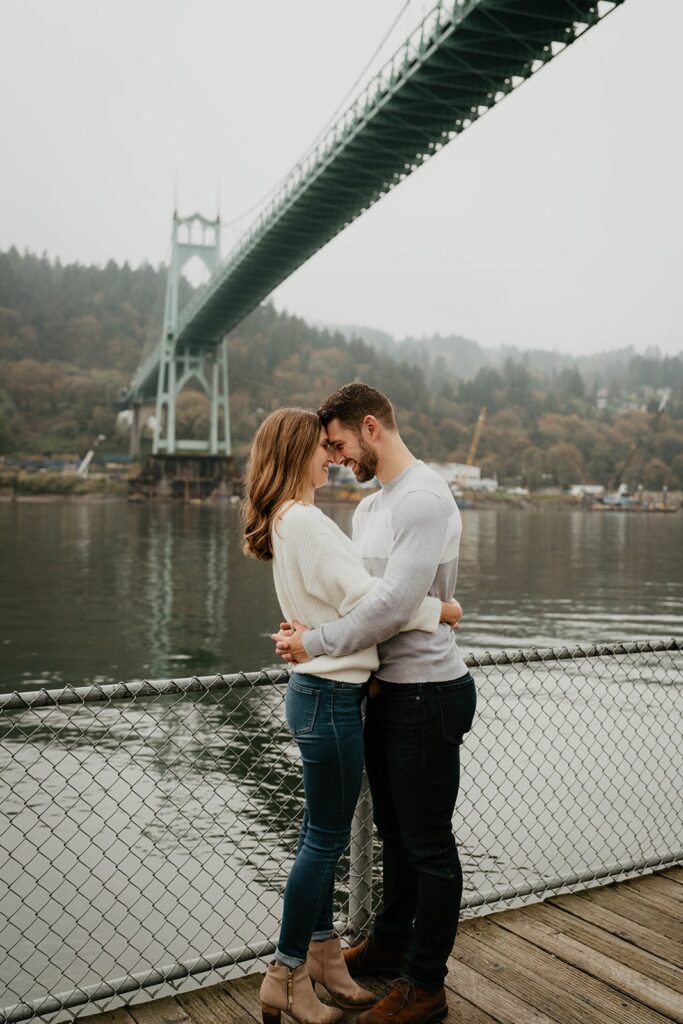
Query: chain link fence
{"points": [[147, 829]]}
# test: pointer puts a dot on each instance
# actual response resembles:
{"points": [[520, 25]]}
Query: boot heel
{"points": [[270, 1014]]}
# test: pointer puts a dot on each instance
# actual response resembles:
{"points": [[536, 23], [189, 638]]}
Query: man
{"points": [[421, 703]]}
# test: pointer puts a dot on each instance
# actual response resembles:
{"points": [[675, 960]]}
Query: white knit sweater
{"points": [[319, 577]]}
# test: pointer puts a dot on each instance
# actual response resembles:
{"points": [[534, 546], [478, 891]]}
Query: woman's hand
{"points": [[451, 613], [289, 643]]}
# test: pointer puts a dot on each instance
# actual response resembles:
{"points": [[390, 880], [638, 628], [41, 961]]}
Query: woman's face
{"points": [[320, 462]]}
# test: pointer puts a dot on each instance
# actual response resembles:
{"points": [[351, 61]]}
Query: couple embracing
{"points": [[369, 617]]}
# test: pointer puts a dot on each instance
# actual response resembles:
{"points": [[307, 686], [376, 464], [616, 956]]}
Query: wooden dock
{"points": [[608, 955]]}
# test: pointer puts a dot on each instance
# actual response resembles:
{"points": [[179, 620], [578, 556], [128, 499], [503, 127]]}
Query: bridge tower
{"points": [[207, 364]]}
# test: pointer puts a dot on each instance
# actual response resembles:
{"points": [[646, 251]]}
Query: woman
{"points": [[319, 577]]}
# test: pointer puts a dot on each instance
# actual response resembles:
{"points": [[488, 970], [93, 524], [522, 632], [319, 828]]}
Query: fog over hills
{"points": [[464, 358], [71, 337]]}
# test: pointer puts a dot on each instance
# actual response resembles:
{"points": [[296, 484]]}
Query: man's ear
{"points": [[373, 427]]}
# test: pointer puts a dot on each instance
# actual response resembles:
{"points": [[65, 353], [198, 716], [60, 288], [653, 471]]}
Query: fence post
{"points": [[360, 863]]}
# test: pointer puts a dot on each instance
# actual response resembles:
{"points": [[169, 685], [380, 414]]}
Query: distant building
{"points": [[589, 490], [343, 476], [484, 483], [456, 472], [460, 476]]}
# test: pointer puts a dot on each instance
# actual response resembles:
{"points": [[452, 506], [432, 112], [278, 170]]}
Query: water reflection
{"points": [[548, 579], [164, 828], [167, 826], [159, 585], [113, 592]]}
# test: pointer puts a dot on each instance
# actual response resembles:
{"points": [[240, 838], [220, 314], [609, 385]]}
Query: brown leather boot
{"points": [[327, 967], [404, 1003], [368, 958], [292, 991]]}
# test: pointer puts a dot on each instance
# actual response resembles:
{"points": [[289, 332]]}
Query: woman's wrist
{"points": [[451, 612]]}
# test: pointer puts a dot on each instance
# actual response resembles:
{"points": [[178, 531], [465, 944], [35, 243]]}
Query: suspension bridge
{"points": [[461, 60]]}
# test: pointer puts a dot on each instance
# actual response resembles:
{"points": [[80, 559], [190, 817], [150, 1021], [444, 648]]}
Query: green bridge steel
{"points": [[463, 59]]}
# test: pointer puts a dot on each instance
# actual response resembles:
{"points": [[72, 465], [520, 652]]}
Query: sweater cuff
{"points": [[313, 643]]}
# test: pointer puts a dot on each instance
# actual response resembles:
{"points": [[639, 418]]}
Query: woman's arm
{"points": [[451, 613]]}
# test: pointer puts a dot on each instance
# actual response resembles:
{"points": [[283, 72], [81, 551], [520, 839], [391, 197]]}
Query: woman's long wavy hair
{"points": [[277, 472]]}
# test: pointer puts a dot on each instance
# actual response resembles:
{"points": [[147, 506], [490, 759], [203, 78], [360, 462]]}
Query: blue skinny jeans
{"points": [[324, 717]]}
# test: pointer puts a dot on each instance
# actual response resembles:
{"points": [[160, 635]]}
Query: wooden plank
{"points": [[120, 1016], [651, 898], [460, 1011], [581, 907], [665, 887], [659, 997], [246, 992], [576, 995], [610, 953], [634, 909], [159, 1011], [611, 945], [206, 1006], [505, 966], [504, 1007], [378, 984]]}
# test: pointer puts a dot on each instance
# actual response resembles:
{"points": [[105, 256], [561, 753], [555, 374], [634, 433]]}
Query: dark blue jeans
{"points": [[413, 734], [325, 719]]}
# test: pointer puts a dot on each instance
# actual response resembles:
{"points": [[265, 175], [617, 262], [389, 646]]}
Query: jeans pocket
{"points": [[458, 704], [301, 706]]}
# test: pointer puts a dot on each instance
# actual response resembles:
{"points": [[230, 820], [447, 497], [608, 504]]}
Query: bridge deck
{"points": [[462, 60], [609, 954]]}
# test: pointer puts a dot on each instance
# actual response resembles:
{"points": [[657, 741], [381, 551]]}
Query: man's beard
{"points": [[364, 468]]}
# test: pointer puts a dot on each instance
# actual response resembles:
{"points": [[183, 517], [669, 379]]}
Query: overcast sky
{"points": [[556, 221]]}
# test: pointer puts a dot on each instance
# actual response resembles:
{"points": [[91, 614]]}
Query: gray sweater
{"points": [[408, 533]]}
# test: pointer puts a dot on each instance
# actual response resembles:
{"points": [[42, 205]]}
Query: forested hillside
{"points": [[617, 370], [71, 338]]}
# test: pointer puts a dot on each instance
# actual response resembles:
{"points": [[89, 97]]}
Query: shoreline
{"points": [[102, 490], [513, 502], [69, 499]]}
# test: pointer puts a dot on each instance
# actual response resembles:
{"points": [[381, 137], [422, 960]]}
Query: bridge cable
{"points": [[327, 124]]}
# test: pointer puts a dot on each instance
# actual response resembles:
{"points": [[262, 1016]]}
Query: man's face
{"points": [[349, 448]]}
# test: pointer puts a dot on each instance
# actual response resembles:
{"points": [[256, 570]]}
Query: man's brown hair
{"points": [[353, 402]]}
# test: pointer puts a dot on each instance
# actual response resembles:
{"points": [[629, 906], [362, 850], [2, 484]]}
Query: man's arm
{"points": [[419, 523]]}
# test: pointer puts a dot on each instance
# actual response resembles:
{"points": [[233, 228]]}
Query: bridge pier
{"points": [[136, 431], [185, 477], [207, 368], [204, 361]]}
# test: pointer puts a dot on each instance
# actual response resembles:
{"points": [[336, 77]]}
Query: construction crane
{"points": [[85, 464], [472, 454]]}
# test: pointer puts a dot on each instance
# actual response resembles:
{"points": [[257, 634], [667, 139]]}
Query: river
{"points": [[138, 834], [99, 592]]}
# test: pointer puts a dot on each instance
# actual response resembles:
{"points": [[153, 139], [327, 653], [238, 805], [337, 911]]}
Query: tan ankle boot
{"points": [[292, 991], [327, 967]]}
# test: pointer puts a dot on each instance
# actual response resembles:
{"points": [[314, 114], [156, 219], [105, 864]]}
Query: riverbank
{"points": [[92, 492], [57, 486], [534, 500]]}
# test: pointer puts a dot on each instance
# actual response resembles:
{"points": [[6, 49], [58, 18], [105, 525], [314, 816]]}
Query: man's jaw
{"points": [[362, 473]]}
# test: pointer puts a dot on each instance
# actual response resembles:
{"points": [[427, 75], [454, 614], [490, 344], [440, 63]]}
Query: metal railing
{"points": [[146, 829]]}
